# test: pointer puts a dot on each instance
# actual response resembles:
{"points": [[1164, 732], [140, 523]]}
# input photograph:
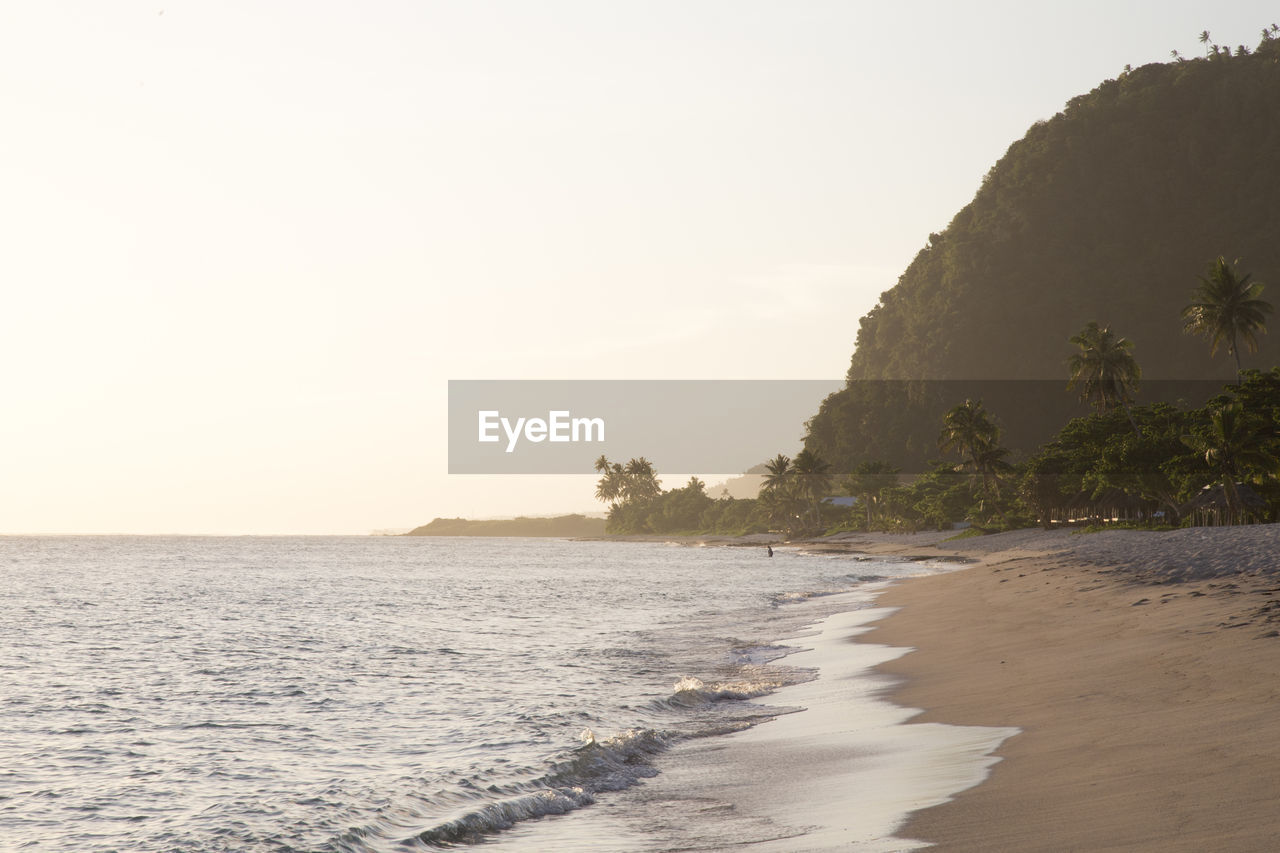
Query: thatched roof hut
{"points": [[1212, 508]]}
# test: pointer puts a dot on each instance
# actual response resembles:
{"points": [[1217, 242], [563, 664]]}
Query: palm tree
{"points": [[813, 481], [969, 430], [780, 507], [779, 468], [1104, 369], [1204, 40], [868, 480], [966, 428], [610, 487], [780, 499], [812, 473], [1227, 307], [989, 464], [641, 480]]}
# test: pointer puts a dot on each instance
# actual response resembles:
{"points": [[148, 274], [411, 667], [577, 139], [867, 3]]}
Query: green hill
{"points": [[1109, 211]]}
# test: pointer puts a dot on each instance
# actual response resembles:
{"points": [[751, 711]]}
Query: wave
{"points": [[780, 598], [598, 766], [691, 687], [495, 817], [755, 654], [692, 694], [705, 709], [853, 580]]}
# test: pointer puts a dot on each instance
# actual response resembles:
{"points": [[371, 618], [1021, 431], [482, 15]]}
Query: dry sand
{"points": [[1142, 668]]}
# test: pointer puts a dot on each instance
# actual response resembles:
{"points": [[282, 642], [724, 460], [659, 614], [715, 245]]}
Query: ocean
{"points": [[380, 694]]}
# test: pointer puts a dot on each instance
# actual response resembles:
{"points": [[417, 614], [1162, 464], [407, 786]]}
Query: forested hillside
{"points": [[1108, 212]]}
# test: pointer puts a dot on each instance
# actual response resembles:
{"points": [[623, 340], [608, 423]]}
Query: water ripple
{"points": [[358, 694]]}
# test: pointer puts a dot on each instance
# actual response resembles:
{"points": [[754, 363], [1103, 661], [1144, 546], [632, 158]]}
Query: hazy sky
{"points": [[244, 245]]}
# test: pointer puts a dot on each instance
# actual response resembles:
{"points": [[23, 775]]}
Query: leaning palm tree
{"points": [[1226, 309], [1104, 369]]}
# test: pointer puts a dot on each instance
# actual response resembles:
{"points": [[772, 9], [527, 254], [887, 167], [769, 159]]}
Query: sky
{"points": [[244, 246]]}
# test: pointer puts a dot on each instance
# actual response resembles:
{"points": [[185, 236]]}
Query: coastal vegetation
{"points": [[646, 508], [791, 501], [1153, 465], [1107, 211], [991, 386]]}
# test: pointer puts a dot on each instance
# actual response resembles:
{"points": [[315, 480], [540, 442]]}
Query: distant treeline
{"points": [[560, 526], [1155, 465]]}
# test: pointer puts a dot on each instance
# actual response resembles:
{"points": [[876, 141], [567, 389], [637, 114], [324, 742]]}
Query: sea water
{"points": [[396, 693]]}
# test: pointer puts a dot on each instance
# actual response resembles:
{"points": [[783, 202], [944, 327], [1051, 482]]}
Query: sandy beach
{"points": [[1143, 670]]}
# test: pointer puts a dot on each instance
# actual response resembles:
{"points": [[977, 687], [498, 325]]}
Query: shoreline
{"points": [[1142, 668], [853, 764], [833, 764]]}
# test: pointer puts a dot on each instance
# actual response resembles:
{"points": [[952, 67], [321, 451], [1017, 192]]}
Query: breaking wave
{"points": [[613, 764], [691, 687]]}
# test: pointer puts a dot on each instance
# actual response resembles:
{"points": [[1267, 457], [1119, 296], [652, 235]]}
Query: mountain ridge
{"points": [[1108, 212]]}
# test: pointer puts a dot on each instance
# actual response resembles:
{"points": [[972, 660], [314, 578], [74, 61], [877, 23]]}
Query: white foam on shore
{"points": [[847, 771]]}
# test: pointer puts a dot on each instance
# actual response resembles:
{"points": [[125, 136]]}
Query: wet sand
{"points": [[1142, 668]]}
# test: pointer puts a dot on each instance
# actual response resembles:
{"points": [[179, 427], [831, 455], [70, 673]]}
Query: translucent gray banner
{"points": [[685, 426], [728, 426]]}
